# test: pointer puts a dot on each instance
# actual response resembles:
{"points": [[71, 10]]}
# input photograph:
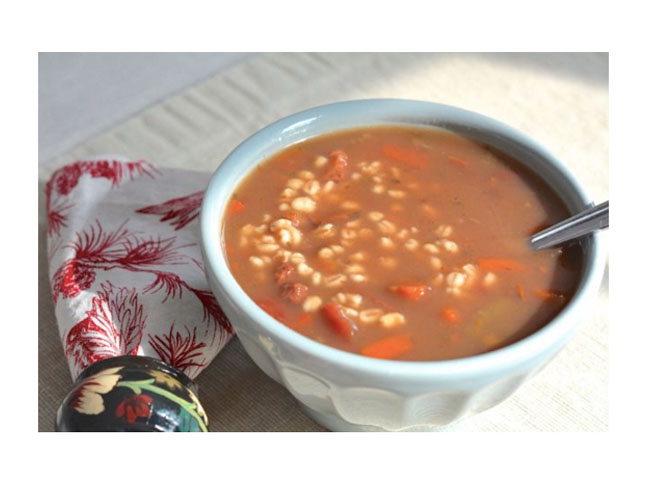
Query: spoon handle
{"points": [[585, 222]]}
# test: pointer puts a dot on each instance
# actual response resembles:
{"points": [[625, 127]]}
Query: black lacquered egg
{"points": [[130, 394]]}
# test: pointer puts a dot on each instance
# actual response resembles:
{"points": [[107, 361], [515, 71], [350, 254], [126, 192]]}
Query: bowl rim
{"points": [[552, 334]]}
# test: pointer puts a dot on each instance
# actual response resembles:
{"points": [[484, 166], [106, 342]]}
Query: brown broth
{"points": [[449, 274]]}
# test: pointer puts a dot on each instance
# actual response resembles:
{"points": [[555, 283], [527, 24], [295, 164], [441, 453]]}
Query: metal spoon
{"points": [[583, 223]]}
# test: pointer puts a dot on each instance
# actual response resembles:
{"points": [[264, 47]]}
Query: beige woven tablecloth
{"points": [[559, 99]]}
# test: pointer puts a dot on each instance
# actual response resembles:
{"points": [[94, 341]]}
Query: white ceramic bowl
{"points": [[345, 391]]}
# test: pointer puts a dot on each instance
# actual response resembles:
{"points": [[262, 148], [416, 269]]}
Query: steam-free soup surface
{"points": [[399, 243]]}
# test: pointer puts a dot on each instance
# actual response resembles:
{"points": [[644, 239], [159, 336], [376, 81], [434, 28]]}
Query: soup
{"points": [[399, 242]]}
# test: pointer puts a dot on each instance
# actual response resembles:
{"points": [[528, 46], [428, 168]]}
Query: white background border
{"points": [[534, 458]]}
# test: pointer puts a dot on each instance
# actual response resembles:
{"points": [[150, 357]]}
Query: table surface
{"points": [[190, 110]]}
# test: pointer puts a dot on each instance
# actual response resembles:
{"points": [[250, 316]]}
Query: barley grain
{"points": [[312, 187], [295, 236], [450, 246], [335, 280], [303, 204], [307, 175], [354, 268], [411, 244], [339, 298], [353, 224], [369, 316], [326, 253], [282, 256], [256, 261], [247, 230], [388, 262], [287, 194], [297, 258], [350, 205], [402, 234], [379, 189], [386, 227], [387, 242], [268, 247], [295, 184], [325, 231], [443, 231], [431, 248], [284, 236], [328, 186], [489, 279], [436, 263], [311, 303], [470, 269], [304, 269], [351, 312], [392, 319], [456, 279], [354, 300]]}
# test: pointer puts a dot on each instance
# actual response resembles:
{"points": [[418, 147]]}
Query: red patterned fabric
{"points": [[125, 266]]}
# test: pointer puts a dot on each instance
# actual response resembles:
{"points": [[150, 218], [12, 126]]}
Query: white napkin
{"points": [[125, 266]]}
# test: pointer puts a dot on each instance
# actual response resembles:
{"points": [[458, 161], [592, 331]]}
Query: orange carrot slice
{"points": [[388, 348], [304, 319], [302, 322], [410, 292], [498, 264], [275, 309], [405, 155], [235, 207], [339, 321], [520, 291], [547, 294], [450, 315]]}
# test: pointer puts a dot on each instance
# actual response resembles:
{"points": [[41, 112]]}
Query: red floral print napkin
{"points": [[125, 266]]}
